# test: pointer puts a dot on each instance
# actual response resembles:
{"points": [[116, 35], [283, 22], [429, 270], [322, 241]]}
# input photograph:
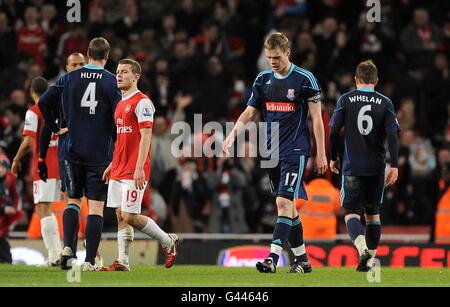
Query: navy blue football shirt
{"points": [[89, 97], [285, 100], [368, 117]]}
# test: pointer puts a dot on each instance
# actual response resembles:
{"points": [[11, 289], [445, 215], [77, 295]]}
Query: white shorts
{"points": [[122, 194], [46, 192]]}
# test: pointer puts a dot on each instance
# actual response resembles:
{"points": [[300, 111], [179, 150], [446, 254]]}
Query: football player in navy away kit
{"points": [[369, 119], [284, 95], [89, 97]]}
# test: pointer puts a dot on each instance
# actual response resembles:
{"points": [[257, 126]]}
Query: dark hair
{"points": [[367, 72], [98, 49], [39, 85], [135, 66]]}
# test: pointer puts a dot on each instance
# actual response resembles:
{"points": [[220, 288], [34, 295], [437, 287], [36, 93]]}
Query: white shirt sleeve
{"points": [[145, 111], [31, 123]]}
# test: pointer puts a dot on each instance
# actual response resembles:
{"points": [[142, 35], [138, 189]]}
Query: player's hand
{"points": [[107, 173], [392, 177], [16, 167], [322, 164], [228, 143], [42, 170], [139, 178], [62, 131], [334, 166]]}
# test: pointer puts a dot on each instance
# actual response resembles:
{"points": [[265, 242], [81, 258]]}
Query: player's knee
{"points": [[130, 219], [284, 204], [352, 214], [372, 218], [44, 210]]}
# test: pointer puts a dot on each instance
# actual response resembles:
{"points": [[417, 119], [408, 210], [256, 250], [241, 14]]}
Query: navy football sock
{"points": [[373, 234], [94, 229], [71, 224], [355, 228], [280, 236], [296, 240]]}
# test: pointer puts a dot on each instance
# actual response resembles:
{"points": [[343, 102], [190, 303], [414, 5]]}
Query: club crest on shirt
{"points": [[291, 94], [128, 108], [119, 122]]}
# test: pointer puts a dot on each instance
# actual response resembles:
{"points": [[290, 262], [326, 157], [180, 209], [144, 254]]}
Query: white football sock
{"points": [[360, 244], [154, 231], [298, 251], [373, 252], [124, 239], [276, 249], [50, 235]]}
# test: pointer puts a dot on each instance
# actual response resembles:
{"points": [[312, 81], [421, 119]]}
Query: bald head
{"points": [[75, 61]]}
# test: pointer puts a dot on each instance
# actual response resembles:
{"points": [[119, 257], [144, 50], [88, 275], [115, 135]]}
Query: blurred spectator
{"points": [[8, 43], [9, 211], [128, 26], [31, 38], [227, 207], [419, 39]]}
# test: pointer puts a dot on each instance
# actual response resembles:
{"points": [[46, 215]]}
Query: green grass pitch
{"points": [[213, 276]]}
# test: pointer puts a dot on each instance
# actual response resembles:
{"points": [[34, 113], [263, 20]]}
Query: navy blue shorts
{"points": [[82, 180], [286, 180], [360, 193]]}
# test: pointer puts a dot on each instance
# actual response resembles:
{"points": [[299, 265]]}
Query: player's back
{"points": [[367, 116], [89, 99]]}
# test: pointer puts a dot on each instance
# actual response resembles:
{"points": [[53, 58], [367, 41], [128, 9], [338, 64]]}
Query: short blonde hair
{"points": [[277, 40]]}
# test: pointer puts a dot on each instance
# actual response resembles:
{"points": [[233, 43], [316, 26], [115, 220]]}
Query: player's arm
{"points": [[250, 114], [315, 109], [392, 128], [26, 145], [336, 124], [29, 135], [144, 149], [145, 112], [49, 105]]}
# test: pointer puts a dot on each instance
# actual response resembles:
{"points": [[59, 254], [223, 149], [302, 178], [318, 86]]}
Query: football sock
{"points": [[94, 227], [356, 232], [124, 239], [296, 240], [280, 236], [71, 224], [373, 234], [154, 231], [50, 235]]}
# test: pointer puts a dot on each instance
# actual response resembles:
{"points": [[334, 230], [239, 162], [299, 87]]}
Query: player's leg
{"points": [[352, 196], [373, 220], [95, 191], [268, 265], [125, 236], [131, 209], [296, 242], [71, 217], [44, 194], [50, 233]]}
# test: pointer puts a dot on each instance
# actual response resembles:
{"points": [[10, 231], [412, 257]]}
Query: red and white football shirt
{"points": [[33, 125], [133, 113]]}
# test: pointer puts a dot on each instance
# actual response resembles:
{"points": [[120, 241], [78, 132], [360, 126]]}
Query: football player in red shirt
{"points": [[44, 193], [129, 172]]}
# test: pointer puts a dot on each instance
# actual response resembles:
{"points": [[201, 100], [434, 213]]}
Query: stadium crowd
{"points": [[201, 57]]}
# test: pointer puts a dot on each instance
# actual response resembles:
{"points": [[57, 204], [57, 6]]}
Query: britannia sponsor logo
{"points": [[282, 107], [247, 256]]}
